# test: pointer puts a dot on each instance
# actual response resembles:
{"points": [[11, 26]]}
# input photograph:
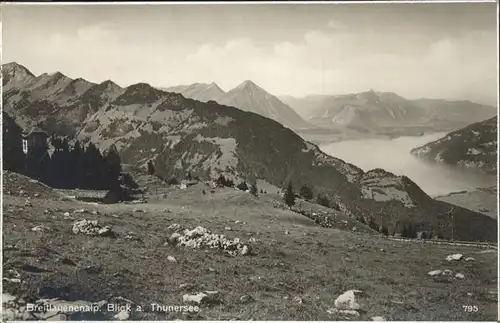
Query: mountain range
{"points": [[388, 113], [472, 146], [208, 138], [365, 113], [203, 92], [247, 96]]}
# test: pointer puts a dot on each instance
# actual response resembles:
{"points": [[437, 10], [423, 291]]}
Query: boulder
{"points": [[455, 257], [122, 316], [245, 299], [203, 298], [348, 300]]}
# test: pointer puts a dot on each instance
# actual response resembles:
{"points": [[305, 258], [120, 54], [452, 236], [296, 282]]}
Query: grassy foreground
{"points": [[295, 272]]}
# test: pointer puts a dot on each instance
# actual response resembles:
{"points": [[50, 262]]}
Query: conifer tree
{"points": [[93, 162], [77, 166], [221, 181], [38, 163], [112, 166], [253, 189], [12, 145], [289, 197], [151, 168]]}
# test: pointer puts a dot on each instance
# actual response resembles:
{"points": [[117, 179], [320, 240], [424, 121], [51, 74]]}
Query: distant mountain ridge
{"points": [[474, 146], [207, 139], [387, 112], [247, 96], [203, 92]]}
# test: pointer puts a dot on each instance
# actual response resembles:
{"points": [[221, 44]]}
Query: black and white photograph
{"points": [[239, 161]]}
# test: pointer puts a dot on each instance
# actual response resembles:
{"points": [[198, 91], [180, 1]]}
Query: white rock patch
{"points": [[201, 237], [455, 257], [348, 300], [91, 228]]}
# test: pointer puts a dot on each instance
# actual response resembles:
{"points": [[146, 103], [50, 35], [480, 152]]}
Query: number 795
{"points": [[470, 308]]}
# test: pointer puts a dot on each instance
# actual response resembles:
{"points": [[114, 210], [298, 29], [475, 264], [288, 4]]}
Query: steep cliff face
{"points": [[207, 139], [474, 146]]}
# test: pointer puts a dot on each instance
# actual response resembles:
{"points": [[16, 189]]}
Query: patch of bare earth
{"points": [[295, 270]]}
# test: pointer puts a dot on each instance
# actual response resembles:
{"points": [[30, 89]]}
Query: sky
{"points": [[415, 50]]}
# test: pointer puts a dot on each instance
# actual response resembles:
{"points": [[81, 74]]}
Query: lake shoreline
{"points": [[393, 155], [480, 189]]}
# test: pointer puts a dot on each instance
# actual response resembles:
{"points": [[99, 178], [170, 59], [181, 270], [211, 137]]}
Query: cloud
{"points": [[335, 24], [95, 32], [346, 62], [321, 61], [98, 53]]}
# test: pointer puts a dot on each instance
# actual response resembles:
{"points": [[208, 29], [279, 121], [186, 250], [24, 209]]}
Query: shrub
{"points": [[372, 224], [117, 194], [323, 201], [306, 192], [242, 186], [172, 181]]}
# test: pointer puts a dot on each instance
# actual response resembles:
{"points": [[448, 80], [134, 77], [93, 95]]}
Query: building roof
{"points": [[34, 130]]}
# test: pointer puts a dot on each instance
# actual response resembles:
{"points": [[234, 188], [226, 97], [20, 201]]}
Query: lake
{"points": [[394, 156]]}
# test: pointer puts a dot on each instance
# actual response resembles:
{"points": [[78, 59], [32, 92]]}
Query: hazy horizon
{"points": [[440, 51]]}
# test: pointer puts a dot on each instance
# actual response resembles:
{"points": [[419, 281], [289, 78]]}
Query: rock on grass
{"points": [[92, 228], [203, 298], [455, 257], [348, 300], [201, 237]]}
